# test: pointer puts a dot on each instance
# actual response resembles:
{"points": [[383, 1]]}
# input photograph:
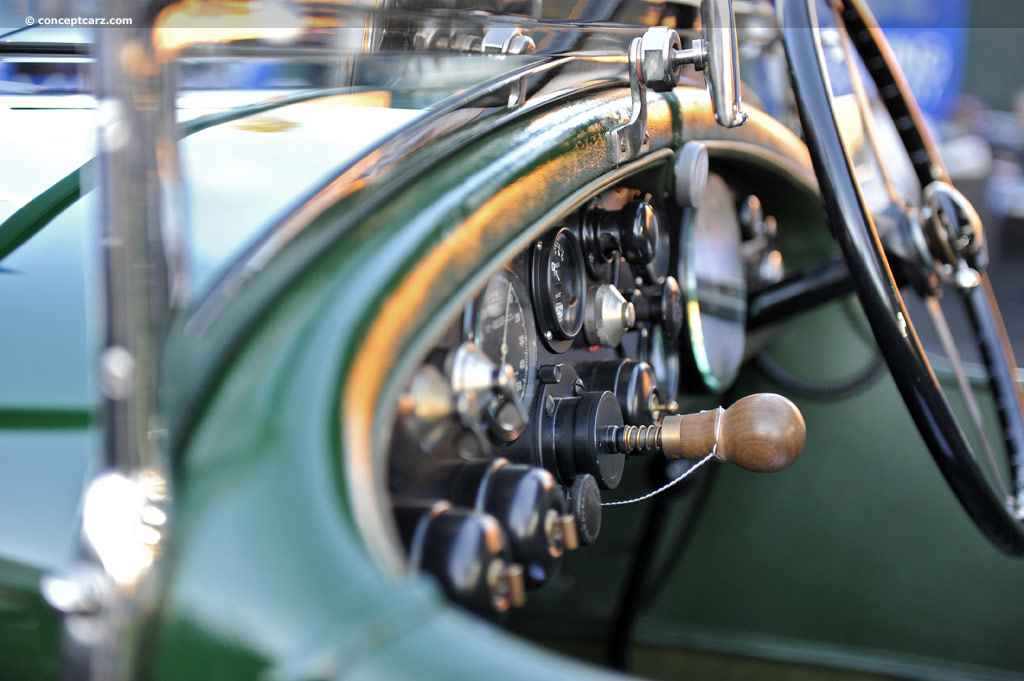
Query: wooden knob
{"points": [[762, 432]]}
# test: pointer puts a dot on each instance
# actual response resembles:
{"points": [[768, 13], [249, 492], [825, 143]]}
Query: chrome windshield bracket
{"points": [[656, 60], [630, 140], [112, 588]]}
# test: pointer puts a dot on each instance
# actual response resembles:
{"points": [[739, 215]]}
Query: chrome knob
{"points": [[608, 316]]}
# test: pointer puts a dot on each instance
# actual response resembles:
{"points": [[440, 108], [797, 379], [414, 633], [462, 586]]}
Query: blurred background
{"points": [[964, 59]]}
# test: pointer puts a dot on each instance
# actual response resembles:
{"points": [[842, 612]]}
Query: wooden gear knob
{"points": [[763, 432]]}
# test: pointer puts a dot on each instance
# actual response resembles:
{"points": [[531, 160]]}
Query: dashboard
{"points": [[523, 414]]}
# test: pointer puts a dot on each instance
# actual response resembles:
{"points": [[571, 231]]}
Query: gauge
{"points": [[505, 330], [714, 288], [559, 288]]}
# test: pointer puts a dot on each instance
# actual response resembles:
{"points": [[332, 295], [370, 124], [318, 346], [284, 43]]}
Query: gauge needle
{"points": [[504, 333]]}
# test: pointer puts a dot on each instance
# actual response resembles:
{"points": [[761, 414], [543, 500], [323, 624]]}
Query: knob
{"points": [[528, 504], [585, 508], [691, 174], [762, 432], [485, 392], [575, 438], [633, 383], [662, 305], [632, 231], [607, 317], [465, 551]]}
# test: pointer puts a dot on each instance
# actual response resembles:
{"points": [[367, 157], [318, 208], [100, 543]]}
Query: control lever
{"points": [[763, 432]]}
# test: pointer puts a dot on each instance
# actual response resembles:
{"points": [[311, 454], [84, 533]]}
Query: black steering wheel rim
{"points": [[853, 226]]}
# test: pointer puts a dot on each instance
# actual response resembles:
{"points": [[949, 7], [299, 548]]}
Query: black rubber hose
{"points": [[822, 391]]}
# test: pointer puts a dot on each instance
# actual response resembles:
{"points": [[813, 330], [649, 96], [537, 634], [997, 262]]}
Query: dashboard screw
{"points": [[549, 406], [578, 388]]}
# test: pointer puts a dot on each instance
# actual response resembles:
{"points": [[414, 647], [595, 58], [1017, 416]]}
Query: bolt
{"points": [[117, 372], [578, 387], [967, 277], [549, 406], [507, 585], [521, 44]]}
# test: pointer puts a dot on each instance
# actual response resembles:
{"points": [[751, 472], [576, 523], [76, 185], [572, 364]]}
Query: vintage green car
{"points": [[395, 339]]}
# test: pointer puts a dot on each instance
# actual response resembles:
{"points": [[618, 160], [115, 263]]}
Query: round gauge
{"points": [[663, 356], [714, 288], [505, 332], [559, 288]]}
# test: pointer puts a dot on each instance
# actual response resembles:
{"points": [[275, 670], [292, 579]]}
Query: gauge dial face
{"points": [[505, 329], [714, 286], [562, 285]]}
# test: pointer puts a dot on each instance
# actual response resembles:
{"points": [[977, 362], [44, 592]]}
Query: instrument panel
{"points": [[502, 444]]}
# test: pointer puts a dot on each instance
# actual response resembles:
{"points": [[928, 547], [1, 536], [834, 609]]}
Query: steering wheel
{"points": [[934, 245]]}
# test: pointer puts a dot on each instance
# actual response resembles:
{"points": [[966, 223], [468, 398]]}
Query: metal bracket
{"points": [[631, 140], [507, 40], [655, 61]]}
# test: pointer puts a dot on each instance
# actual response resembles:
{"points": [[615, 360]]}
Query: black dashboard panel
{"points": [[501, 446]]}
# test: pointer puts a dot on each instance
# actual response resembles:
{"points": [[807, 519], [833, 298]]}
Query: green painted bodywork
{"points": [[264, 471], [859, 547]]}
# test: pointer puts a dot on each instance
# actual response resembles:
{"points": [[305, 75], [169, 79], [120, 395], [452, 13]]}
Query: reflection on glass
{"points": [[715, 286]]}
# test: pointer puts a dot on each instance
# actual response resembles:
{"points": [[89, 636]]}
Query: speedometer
{"points": [[714, 288]]}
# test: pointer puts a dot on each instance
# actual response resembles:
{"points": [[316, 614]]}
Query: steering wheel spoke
{"points": [[952, 353]]}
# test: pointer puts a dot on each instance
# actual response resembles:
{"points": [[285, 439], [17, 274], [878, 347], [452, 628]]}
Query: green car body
{"points": [[280, 561]]}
